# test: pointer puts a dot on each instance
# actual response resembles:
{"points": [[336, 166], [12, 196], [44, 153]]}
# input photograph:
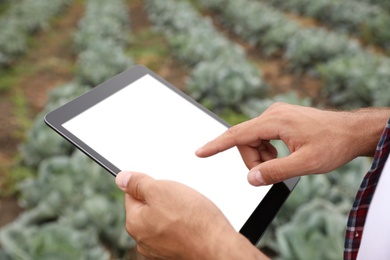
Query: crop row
{"points": [[263, 25], [101, 42], [288, 236], [311, 224], [67, 203], [383, 3], [101, 55], [221, 75], [22, 19], [304, 222], [328, 55], [365, 20], [357, 81]]}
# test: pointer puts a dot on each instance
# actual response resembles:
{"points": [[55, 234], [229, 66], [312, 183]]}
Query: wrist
{"points": [[235, 246], [366, 126]]}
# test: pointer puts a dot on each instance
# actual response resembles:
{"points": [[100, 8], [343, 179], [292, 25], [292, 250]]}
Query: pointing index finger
{"points": [[240, 134]]}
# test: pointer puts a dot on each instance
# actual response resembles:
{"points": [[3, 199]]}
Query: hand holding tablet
{"points": [[138, 121], [189, 226]]}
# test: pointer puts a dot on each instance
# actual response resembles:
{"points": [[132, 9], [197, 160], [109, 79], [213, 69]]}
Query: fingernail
{"points": [[259, 177], [199, 149], [122, 179]]}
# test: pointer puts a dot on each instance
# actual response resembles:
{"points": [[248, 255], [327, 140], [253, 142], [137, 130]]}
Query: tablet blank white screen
{"points": [[147, 127]]}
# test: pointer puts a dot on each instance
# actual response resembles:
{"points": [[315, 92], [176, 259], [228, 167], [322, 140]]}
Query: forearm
{"points": [[366, 126], [245, 250]]}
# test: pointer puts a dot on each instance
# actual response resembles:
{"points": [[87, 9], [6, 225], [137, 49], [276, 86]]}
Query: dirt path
{"points": [[48, 62]]}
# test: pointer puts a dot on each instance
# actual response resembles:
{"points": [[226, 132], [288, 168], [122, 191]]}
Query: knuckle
{"points": [[278, 112], [137, 186], [232, 130], [136, 189], [277, 105], [276, 174], [231, 136], [273, 110]]}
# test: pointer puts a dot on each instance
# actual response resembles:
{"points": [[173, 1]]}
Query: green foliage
{"points": [[160, 13], [41, 141], [11, 177], [304, 221], [365, 20], [202, 43], [98, 61], [63, 94], [274, 32], [73, 208], [271, 29], [225, 82], [312, 46], [382, 3], [352, 76], [221, 75], [101, 62], [315, 213], [192, 38], [356, 81], [22, 19], [232, 117], [73, 193], [36, 15], [4, 5], [374, 30], [52, 241], [73, 199], [113, 24], [254, 106], [275, 40], [101, 42], [315, 232], [13, 41], [338, 187]]}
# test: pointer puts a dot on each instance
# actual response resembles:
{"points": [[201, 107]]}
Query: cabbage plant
{"points": [[73, 209], [221, 75], [22, 19]]}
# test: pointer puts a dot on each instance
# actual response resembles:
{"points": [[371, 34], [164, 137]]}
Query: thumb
{"points": [[134, 184], [277, 170]]}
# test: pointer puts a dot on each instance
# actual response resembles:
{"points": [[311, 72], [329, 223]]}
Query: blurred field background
{"points": [[236, 57]]}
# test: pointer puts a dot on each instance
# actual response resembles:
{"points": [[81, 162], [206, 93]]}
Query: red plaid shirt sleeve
{"points": [[357, 216]]}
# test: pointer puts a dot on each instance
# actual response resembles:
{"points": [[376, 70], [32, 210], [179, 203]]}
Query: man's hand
{"points": [[172, 221], [319, 141]]}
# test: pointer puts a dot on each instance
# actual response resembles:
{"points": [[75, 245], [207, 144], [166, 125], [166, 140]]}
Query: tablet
{"points": [[138, 121]]}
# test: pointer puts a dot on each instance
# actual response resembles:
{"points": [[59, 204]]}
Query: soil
{"points": [[49, 61], [9, 210], [52, 60]]}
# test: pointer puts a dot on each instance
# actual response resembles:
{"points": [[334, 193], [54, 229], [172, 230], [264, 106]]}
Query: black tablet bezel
{"points": [[262, 215]]}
